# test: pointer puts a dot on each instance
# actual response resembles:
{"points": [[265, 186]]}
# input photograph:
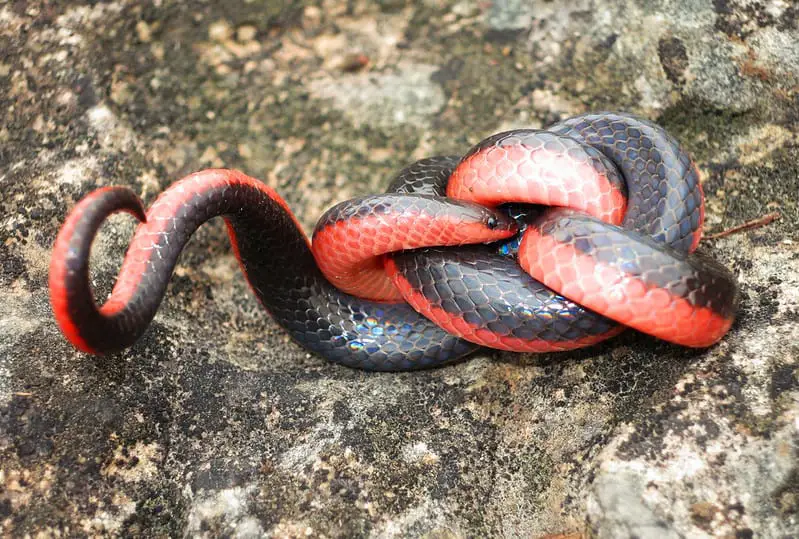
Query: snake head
{"points": [[479, 224]]}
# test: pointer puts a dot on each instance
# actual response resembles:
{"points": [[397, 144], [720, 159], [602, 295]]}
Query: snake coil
{"points": [[610, 210]]}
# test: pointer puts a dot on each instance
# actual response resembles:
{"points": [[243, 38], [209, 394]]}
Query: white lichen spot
{"points": [[75, 171], [88, 14], [685, 462], [109, 520], [287, 528], [112, 134], [419, 453], [430, 515], [227, 509], [134, 463]]}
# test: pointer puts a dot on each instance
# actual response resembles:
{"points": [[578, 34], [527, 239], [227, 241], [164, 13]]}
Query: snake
{"points": [[533, 241]]}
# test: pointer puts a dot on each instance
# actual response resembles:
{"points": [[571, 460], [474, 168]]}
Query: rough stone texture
{"points": [[214, 424]]}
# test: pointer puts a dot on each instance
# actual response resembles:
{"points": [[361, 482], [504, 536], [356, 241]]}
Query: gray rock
{"points": [[215, 424]]}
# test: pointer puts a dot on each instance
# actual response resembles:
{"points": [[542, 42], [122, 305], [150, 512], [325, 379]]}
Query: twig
{"points": [[749, 225]]}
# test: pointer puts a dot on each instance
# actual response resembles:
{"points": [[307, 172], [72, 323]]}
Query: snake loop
{"points": [[421, 276]]}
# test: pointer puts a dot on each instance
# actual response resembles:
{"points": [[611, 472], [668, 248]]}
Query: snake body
{"points": [[621, 251]]}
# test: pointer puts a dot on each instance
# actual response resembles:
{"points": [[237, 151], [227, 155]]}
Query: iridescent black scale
{"points": [[491, 291], [663, 189], [428, 176]]}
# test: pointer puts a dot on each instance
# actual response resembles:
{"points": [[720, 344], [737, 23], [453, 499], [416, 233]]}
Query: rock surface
{"points": [[214, 424]]}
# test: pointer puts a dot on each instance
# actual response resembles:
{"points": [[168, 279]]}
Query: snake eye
{"points": [[492, 222]]}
